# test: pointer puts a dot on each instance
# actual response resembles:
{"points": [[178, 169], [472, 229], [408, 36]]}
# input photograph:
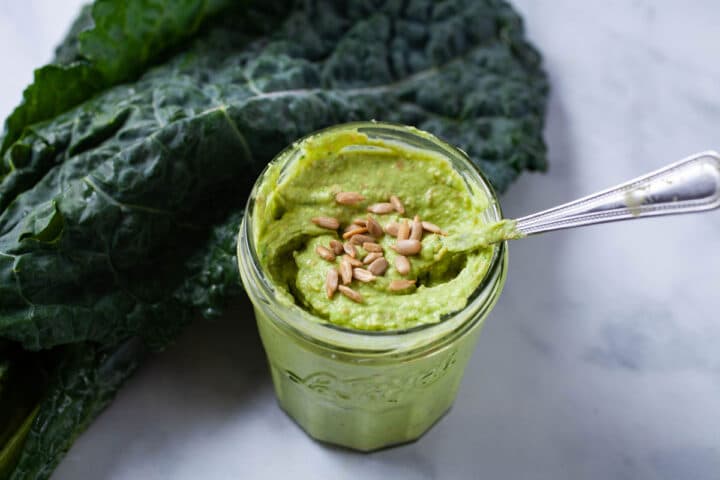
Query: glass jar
{"points": [[368, 389]]}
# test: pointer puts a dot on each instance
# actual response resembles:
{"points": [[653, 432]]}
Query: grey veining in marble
{"points": [[601, 360]]}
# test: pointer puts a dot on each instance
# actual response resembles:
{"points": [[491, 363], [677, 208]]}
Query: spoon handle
{"points": [[690, 185]]}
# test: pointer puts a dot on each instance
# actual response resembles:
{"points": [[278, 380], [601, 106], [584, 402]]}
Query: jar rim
{"points": [[313, 327]]}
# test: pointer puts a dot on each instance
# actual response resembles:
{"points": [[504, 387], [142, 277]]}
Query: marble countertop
{"points": [[601, 360]]}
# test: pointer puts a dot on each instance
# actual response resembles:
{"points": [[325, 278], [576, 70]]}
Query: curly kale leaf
{"points": [[119, 216], [131, 176], [85, 376]]}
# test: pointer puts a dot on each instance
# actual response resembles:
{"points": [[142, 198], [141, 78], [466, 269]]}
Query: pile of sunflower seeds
{"points": [[365, 233]]}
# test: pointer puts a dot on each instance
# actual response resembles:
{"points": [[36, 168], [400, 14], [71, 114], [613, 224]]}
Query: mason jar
{"points": [[367, 389]]}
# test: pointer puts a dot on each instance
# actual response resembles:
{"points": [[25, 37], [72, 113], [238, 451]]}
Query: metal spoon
{"points": [[690, 185]]}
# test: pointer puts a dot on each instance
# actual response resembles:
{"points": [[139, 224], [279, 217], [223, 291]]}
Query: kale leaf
{"points": [[134, 172], [119, 216]]}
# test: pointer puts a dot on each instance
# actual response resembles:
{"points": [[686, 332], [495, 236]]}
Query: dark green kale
{"points": [[119, 216], [135, 173], [83, 377]]}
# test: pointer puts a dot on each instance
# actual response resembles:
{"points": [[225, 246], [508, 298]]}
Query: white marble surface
{"points": [[601, 360]]}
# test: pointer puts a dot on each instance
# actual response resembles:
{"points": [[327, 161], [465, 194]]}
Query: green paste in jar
{"points": [[447, 270]]}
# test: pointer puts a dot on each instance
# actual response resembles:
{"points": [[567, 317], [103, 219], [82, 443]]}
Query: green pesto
{"points": [[350, 161], [488, 234]]}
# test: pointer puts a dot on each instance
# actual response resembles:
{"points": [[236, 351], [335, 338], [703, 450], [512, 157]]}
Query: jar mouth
{"points": [[328, 334]]}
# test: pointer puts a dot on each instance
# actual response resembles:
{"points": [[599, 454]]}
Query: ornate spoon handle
{"points": [[690, 185]]}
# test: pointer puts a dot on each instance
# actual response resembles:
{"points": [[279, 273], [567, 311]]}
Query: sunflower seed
{"points": [[363, 275], [372, 247], [417, 229], [348, 198], [336, 246], [353, 261], [371, 257], [327, 222], [325, 253], [360, 221], [397, 285], [407, 247], [354, 231], [432, 228], [378, 267], [392, 228], [349, 248], [380, 208], [331, 282], [403, 231], [359, 239], [402, 264], [397, 204], [346, 271], [374, 227], [350, 293]]}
